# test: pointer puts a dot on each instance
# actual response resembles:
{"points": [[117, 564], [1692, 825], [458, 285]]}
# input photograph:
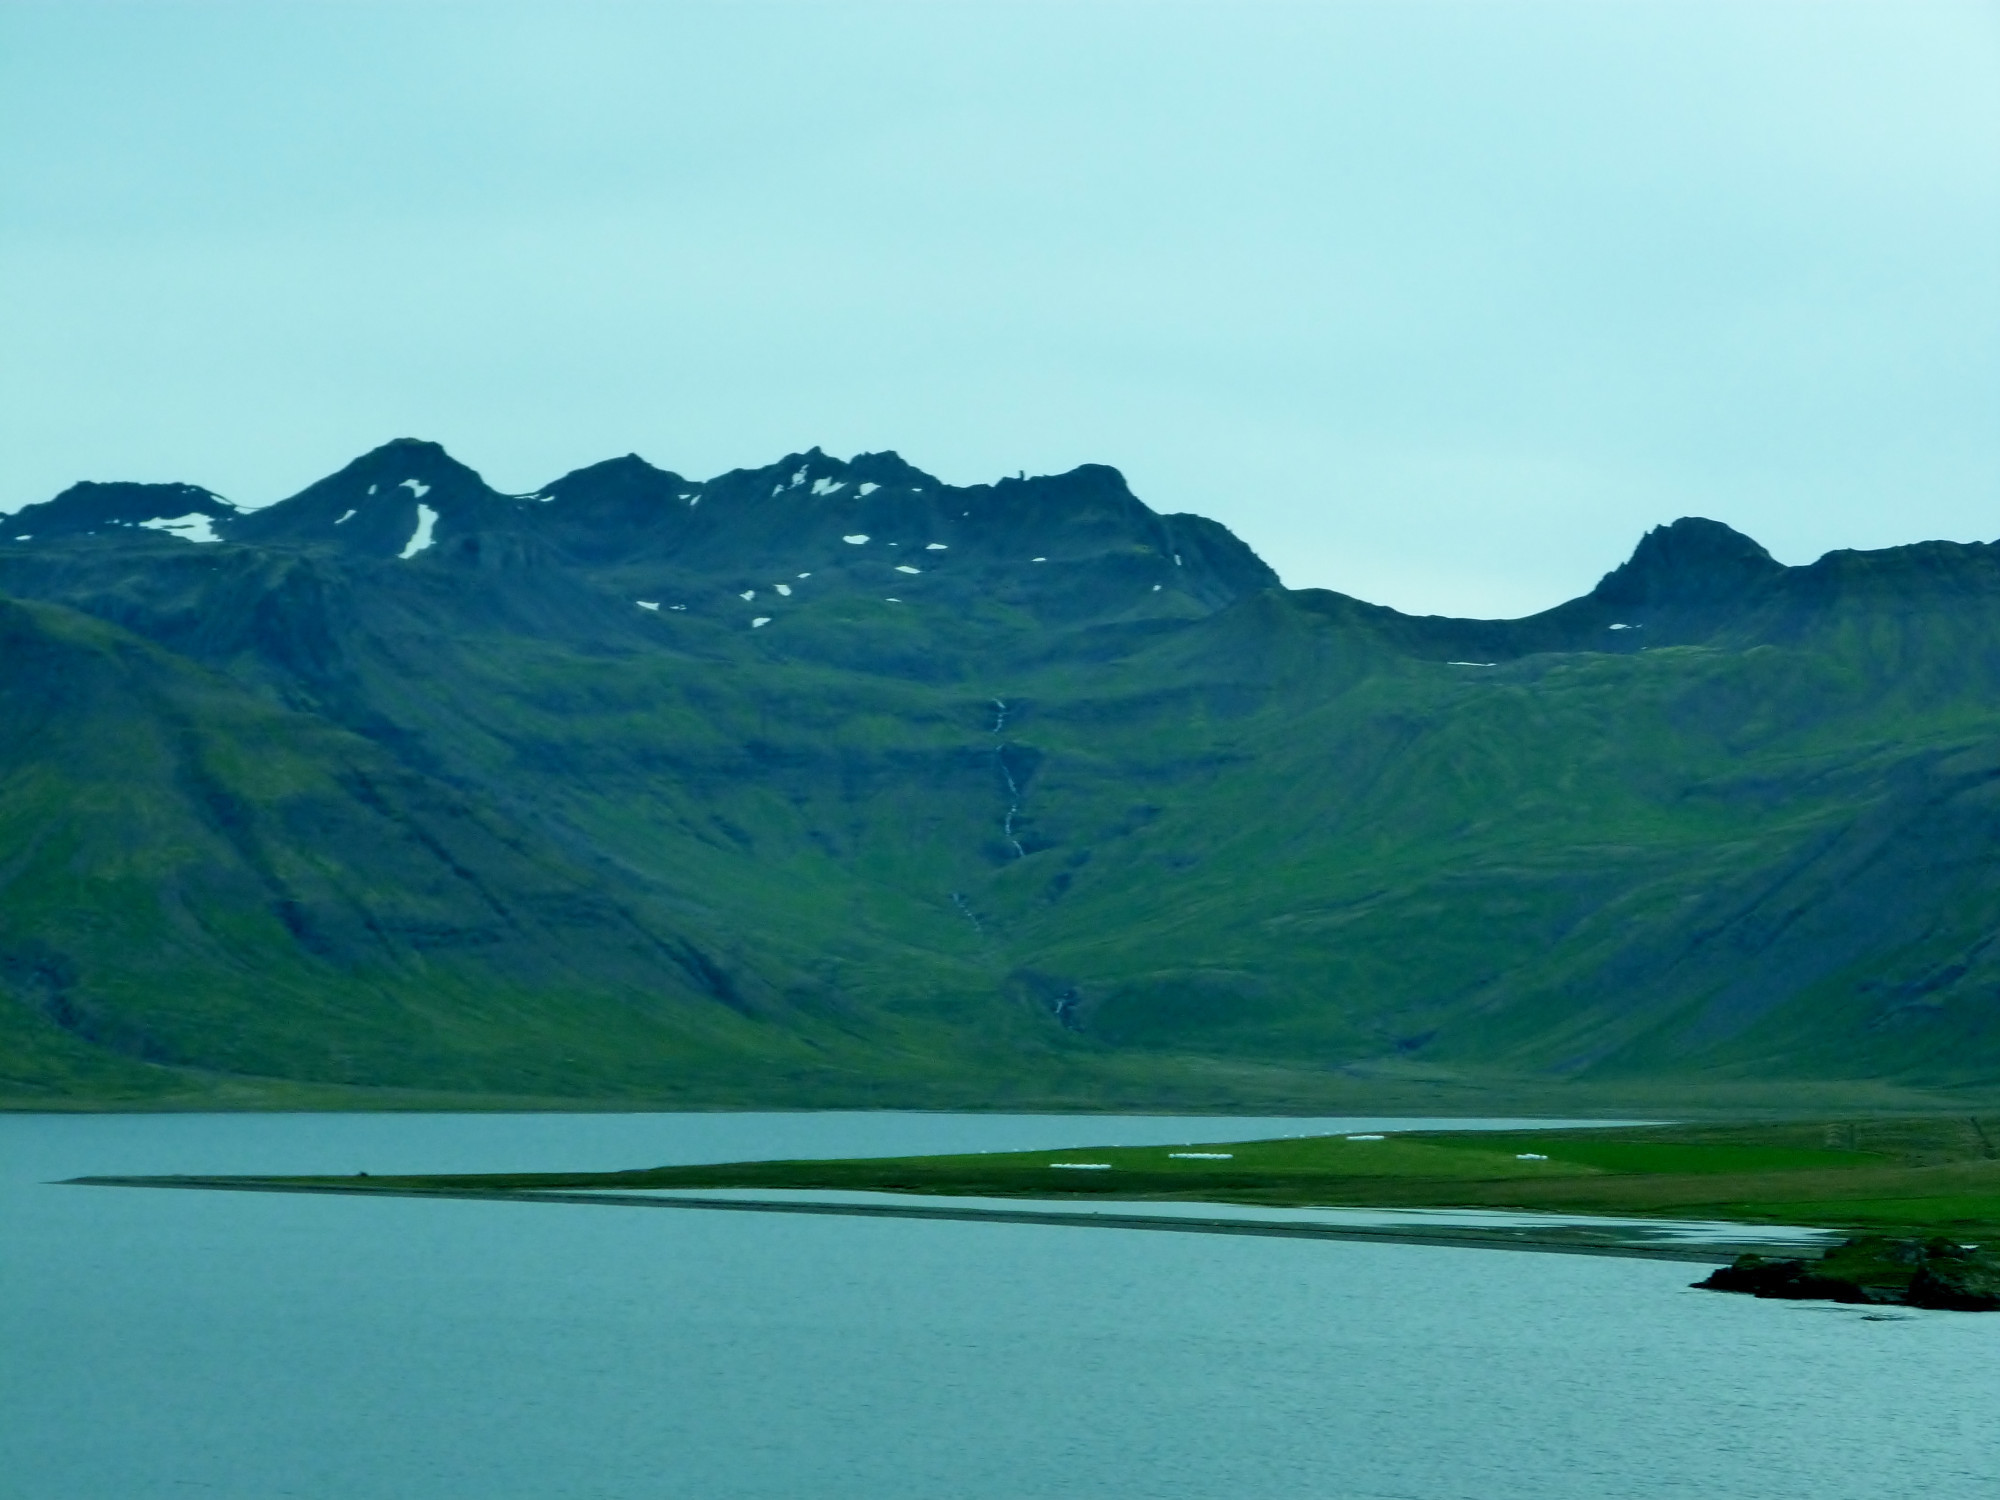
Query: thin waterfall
{"points": [[1013, 807], [1013, 787]]}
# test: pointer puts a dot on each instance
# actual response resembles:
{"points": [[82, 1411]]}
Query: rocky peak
{"points": [[818, 474], [617, 489], [613, 509], [395, 502], [184, 510], [1088, 505], [1692, 562], [887, 468]]}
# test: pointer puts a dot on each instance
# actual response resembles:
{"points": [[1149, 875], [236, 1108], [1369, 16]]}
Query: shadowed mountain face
{"points": [[831, 783]]}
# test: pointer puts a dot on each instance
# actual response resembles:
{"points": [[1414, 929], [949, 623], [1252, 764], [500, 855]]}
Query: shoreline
{"points": [[1533, 1240]]}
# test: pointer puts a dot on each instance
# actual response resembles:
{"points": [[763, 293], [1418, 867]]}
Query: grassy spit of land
{"points": [[1897, 1175]]}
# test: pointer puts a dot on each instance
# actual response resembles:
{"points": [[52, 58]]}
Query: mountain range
{"points": [[828, 783]]}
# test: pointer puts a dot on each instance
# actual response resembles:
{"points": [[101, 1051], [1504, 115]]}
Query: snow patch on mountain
{"points": [[423, 536], [192, 528]]}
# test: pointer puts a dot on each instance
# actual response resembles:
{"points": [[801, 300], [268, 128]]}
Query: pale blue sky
{"points": [[1438, 304]]}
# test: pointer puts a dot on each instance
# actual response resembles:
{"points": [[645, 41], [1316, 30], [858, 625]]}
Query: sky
{"points": [[1441, 305]]}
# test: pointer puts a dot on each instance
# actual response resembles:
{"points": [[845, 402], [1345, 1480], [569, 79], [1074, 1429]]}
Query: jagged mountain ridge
{"points": [[1012, 784], [625, 511]]}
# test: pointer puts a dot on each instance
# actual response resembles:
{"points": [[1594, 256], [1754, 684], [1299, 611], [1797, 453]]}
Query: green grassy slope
{"points": [[197, 879], [1124, 827], [1695, 856]]}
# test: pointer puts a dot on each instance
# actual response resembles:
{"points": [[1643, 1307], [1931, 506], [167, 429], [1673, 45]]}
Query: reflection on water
{"points": [[249, 1346], [1597, 1229]]}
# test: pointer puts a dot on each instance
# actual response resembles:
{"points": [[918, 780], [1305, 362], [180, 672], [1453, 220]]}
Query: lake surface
{"points": [[250, 1346]]}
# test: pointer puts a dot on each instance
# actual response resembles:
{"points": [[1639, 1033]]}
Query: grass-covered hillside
{"points": [[828, 783]]}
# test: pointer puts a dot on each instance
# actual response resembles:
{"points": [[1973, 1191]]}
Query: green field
{"points": [[1912, 1175]]}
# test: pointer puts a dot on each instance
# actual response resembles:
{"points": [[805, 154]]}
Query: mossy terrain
{"points": [[1907, 1175]]}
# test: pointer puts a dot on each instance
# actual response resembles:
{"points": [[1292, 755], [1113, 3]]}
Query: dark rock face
{"points": [[1693, 561], [377, 506], [89, 508], [1081, 538], [1874, 1269]]}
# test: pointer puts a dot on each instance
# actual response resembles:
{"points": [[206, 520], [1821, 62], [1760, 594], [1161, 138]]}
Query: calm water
{"points": [[157, 1344]]}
